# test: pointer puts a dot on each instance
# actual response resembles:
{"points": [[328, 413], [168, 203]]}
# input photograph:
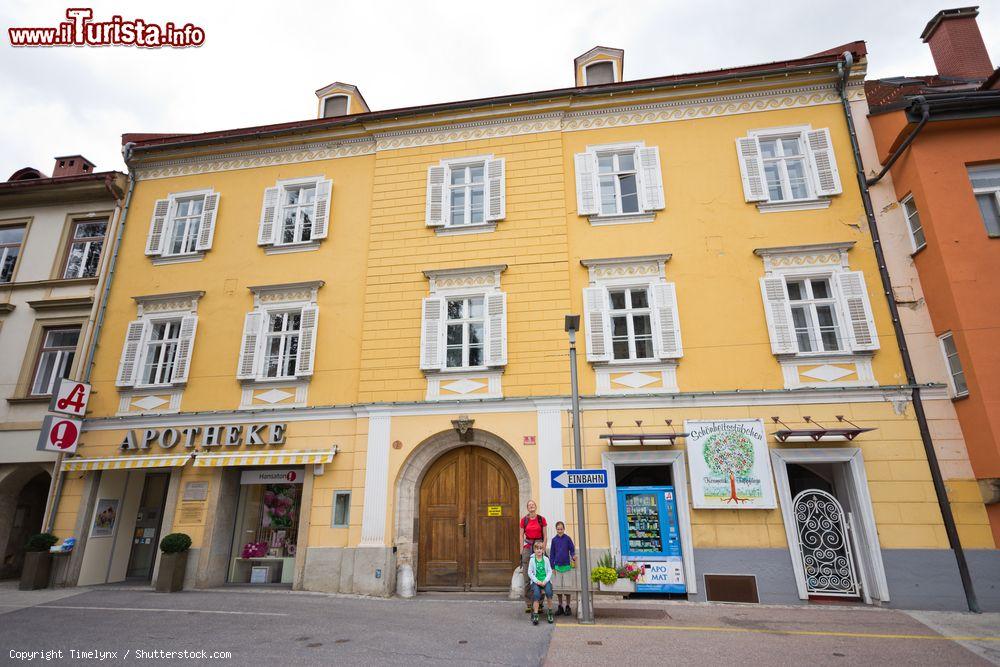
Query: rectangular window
{"points": [[281, 343], [913, 222], [298, 207], [161, 352], [55, 358], [618, 182], [785, 167], [631, 323], [464, 339], [986, 186], [85, 244], [466, 194], [814, 314], [184, 225], [10, 247], [341, 509], [958, 383]]}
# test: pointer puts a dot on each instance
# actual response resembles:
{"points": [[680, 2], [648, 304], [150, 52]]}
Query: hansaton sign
{"points": [[70, 398], [59, 434]]}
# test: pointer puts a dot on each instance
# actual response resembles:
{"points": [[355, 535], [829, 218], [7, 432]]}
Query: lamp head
{"points": [[572, 323]]}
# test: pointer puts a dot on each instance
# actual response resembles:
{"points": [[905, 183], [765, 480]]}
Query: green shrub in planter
{"points": [[40, 542], [604, 575], [175, 543]]}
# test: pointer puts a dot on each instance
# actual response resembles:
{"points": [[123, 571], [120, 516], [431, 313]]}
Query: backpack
{"points": [[542, 523]]}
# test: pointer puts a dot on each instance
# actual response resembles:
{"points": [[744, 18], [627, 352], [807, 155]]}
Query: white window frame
{"points": [[88, 244], [630, 313], [466, 322], [285, 336], [61, 358], [286, 187], [467, 188], [322, 188], [955, 393], [907, 203], [5, 250], [616, 174], [799, 132], [995, 191], [270, 300], [810, 303], [165, 255], [170, 228], [322, 104], [646, 211], [815, 200], [614, 71], [147, 343]]}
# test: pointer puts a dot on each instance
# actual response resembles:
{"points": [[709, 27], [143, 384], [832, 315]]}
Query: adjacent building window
{"points": [[916, 230], [282, 343], [958, 384], [183, 224], [55, 358], [814, 314], [160, 352], [466, 193], [341, 509], [619, 181], [986, 186], [787, 165], [295, 213], [11, 238], [465, 341], [85, 244], [631, 323]]}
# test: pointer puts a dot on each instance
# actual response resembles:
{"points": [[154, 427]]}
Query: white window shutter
{"points": [[431, 333], [667, 327], [857, 310], [435, 196], [269, 216], [206, 231], [157, 227], [185, 346], [751, 169], [824, 163], [586, 184], [496, 329], [321, 212], [129, 363], [307, 340], [651, 178], [496, 189], [253, 328], [778, 312], [595, 316]]}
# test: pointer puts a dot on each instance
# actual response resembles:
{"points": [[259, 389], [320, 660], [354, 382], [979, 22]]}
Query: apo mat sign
{"points": [[729, 464]]}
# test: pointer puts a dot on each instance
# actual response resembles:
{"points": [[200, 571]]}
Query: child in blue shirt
{"points": [[563, 557]]}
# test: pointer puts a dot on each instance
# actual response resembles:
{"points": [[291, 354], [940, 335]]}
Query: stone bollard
{"points": [[405, 585], [517, 585]]}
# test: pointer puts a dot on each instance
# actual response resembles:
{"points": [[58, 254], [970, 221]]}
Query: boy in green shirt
{"points": [[540, 573]]}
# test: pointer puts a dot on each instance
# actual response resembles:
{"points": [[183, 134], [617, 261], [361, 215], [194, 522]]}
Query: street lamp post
{"points": [[572, 326]]}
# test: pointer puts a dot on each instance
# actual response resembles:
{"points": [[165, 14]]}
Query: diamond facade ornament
{"points": [[827, 373], [464, 386], [273, 396], [636, 380], [149, 402]]}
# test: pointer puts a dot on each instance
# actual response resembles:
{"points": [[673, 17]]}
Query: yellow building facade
{"points": [[333, 351]]}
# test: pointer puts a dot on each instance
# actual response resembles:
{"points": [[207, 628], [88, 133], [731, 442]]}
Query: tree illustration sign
{"points": [[730, 465]]}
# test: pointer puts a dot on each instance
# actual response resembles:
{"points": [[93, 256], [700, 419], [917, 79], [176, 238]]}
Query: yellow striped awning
{"points": [[263, 459], [125, 462]]}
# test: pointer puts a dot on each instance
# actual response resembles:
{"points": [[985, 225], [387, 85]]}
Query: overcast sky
{"points": [[262, 64]]}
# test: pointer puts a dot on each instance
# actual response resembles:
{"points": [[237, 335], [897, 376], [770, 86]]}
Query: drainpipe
{"points": [[88, 366], [918, 407], [925, 114]]}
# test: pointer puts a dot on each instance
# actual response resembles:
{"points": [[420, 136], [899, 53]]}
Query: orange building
{"points": [[939, 135]]}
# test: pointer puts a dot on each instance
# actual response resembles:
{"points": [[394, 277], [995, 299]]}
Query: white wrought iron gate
{"points": [[825, 545]]}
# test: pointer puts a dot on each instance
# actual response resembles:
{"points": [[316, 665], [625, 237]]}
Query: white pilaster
{"points": [[376, 480], [551, 502]]}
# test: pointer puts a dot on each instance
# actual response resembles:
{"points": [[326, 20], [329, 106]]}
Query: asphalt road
{"points": [[300, 628]]}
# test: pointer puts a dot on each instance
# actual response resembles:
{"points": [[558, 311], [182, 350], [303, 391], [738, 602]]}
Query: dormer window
{"points": [[335, 105], [600, 72]]}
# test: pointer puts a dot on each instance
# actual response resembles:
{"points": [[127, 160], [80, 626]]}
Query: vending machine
{"points": [[650, 538]]}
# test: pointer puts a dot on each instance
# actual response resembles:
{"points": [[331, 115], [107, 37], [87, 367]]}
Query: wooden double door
{"points": [[468, 522]]}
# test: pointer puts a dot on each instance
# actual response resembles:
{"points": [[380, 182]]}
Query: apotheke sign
{"points": [[205, 437]]}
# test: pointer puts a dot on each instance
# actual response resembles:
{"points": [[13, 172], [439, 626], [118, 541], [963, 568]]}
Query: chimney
{"points": [[72, 165], [957, 45]]}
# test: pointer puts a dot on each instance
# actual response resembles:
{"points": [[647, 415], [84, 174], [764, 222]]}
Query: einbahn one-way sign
{"points": [[579, 479]]}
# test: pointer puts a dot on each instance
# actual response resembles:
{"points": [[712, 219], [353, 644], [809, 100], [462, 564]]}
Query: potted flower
{"points": [[37, 562], [173, 562], [614, 578]]}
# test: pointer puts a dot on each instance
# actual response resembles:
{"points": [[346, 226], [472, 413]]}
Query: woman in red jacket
{"points": [[533, 527]]}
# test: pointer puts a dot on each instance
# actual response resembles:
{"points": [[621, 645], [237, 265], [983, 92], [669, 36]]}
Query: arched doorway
{"points": [[468, 506], [28, 503]]}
